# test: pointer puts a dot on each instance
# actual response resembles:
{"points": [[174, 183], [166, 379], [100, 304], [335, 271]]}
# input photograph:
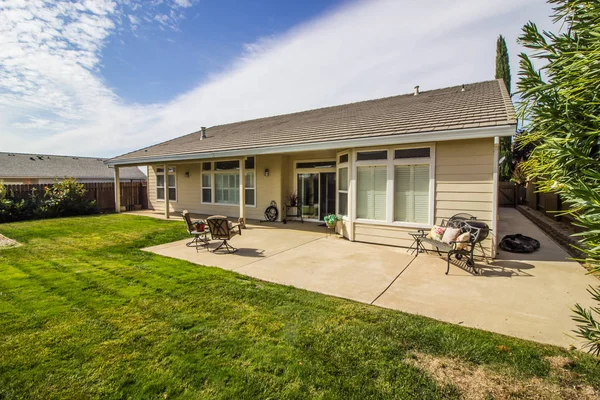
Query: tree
{"points": [[503, 72], [561, 105]]}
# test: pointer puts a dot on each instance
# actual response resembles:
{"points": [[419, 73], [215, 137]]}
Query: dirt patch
{"points": [[475, 382], [6, 242]]}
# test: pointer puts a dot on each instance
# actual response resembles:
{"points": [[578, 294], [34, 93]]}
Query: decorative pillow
{"points": [[437, 232], [463, 237], [450, 235]]}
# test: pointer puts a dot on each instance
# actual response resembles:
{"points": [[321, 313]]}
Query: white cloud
{"points": [[53, 99]]}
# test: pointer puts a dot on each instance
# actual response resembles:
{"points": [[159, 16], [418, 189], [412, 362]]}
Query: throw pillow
{"points": [[437, 232], [450, 235], [463, 237]]}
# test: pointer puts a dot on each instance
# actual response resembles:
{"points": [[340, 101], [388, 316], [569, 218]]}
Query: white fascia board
{"points": [[392, 139]]}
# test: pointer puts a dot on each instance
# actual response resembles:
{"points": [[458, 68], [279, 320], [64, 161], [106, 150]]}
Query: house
{"points": [[388, 166], [19, 168]]}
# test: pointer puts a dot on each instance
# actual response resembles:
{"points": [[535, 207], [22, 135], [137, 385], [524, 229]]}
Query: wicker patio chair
{"points": [[221, 229]]}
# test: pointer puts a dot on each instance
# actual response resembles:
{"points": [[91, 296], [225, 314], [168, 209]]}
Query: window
{"points": [[206, 187], [221, 182], [227, 188], [316, 164], [371, 192], [343, 191], [171, 184], [249, 184], [372, 155], [411, 193], [343, 158], [412, 153]]}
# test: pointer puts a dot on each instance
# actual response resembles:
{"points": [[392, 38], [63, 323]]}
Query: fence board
{"points": [[134, 195]]}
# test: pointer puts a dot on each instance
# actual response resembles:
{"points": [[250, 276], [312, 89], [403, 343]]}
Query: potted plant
{"points": [[331, 220], [292, 200], [200, 225]]}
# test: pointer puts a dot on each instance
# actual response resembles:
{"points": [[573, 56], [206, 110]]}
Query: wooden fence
{"points": [[549, 203], [134, 195]]}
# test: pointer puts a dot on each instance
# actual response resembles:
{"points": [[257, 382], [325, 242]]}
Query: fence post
{"points": [[117, 190]]}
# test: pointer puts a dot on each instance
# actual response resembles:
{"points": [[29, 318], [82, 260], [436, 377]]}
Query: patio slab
{"points": [[527, 296], [523, 295]]}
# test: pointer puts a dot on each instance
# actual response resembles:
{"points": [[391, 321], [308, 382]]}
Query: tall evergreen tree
{"points": [[503, 72]]}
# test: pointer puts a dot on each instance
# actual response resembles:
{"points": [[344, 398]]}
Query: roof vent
{"points": [[40, 157], [463, 88], [416, 90], [32, 159], [203, 133]]}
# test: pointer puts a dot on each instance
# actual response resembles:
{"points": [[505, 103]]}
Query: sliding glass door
{"points": [[308, 195]]}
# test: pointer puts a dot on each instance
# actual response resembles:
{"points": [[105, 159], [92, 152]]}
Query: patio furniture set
{"points": [[457, 237], [217, 227]]}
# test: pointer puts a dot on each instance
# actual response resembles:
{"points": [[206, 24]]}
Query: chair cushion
{"points": [[463, 237], [437, 232], [450, 235]]}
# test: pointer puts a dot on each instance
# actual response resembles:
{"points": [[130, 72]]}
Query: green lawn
{"points": [[85, 314]]}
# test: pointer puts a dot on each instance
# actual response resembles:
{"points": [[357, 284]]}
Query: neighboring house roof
{"points": [[477, 105], [19, 165]]}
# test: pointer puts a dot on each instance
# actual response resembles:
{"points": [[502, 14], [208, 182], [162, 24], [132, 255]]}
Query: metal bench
{"points": [[478, 231]]}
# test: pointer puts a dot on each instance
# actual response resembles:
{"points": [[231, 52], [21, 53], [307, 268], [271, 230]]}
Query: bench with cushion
{"points": [[458, 237]]}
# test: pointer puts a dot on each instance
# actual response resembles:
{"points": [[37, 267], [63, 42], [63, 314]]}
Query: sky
{"points": [[104, 77]]}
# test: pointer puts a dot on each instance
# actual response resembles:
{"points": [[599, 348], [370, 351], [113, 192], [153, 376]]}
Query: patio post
{"points": [[166, 172], [243, 190], [117, 190]]}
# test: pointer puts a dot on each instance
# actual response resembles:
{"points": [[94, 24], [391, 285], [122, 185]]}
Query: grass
{"points": [[84, 313]]}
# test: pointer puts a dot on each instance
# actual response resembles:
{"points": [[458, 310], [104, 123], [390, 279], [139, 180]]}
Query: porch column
{"points": [[243, 189], [166, 169], [117, 190]]}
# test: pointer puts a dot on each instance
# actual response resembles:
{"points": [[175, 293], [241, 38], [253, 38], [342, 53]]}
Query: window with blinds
{"points": [[371, 192], [411, 193]]}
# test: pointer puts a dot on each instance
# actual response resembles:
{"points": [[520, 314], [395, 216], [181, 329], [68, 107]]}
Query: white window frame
{"points": [[337, 179], [212, 173], [391, 163], [316, 170], [166, 187]]}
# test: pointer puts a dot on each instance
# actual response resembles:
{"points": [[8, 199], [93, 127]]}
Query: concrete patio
{"points": [[527, 296]]}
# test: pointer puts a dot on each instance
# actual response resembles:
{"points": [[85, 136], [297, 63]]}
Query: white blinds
{"points": [[411, 193], [371, 196]]}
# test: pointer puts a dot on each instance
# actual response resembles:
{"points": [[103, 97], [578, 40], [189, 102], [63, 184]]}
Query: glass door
{"points": [[327, 199], [308, 195]]}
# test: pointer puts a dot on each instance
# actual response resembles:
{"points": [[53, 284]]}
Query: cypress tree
{"points": [[503, 72]]}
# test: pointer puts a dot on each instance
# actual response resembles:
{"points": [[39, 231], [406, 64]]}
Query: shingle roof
{"points": [[483, 104], [19, 165]]}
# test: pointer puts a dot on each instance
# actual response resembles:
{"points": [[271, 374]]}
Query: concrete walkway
{"points": [[527, 296]]}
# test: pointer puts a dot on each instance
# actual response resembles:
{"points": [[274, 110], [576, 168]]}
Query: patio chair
{"points": [[199, 238], [222, 229]]}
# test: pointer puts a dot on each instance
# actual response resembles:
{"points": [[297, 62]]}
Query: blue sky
{"points": [[154, 63], [103, 77]]}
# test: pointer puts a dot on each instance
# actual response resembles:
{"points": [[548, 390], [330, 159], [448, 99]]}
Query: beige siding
{"points": [[19, 181], [189, 190], [464, 183]]}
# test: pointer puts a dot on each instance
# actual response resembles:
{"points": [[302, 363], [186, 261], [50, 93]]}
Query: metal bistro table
{"points": [[200, 239], [417, 244]]}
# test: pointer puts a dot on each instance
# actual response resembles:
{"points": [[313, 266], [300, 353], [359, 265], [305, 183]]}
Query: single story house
{"points": [[387, 166], [19, 168]]}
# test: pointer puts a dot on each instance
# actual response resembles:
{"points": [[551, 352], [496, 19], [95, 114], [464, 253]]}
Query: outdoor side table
{"points": [[417, 245]]}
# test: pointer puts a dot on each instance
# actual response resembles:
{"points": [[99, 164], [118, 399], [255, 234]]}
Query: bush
{"points": [[64, 198]]}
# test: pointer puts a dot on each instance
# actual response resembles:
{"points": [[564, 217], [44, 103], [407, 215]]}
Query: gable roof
{"points": [[20, 165], [476, 105]]}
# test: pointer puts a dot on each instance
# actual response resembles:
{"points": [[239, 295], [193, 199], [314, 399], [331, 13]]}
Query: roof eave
{"points": [[507, 129]]}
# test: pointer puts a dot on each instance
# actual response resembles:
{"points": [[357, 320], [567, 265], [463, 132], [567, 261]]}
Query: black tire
{"points": [[271, 214]]}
